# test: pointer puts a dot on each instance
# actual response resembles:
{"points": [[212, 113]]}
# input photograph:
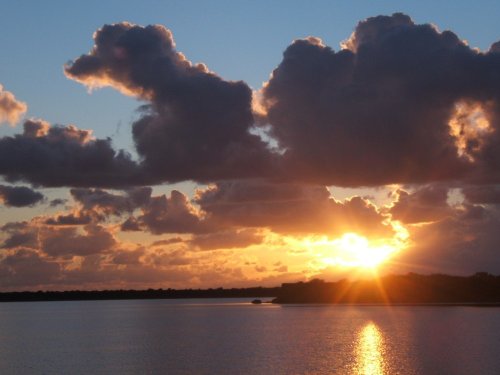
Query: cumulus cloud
{"points": [[463, 243], [64, 156], [197, 124], [112, 204], [67, 241], [174, 214], [11, 109], [379, 110], [19, 196], [156, 214], [128, 256], [428, 203], [27, 268], [97, 205], [20, 234], [289, 208]]}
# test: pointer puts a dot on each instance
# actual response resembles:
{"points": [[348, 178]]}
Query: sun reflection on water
{"points": [[370, 351]]}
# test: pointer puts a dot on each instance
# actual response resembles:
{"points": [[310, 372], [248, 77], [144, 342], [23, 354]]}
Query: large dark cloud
{"points": [[19, 196], [11, 109], [64, 156], [289, 208], [378, 111], [197, 125]]}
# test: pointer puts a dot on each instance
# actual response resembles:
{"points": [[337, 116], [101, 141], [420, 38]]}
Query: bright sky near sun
{"points": [[387, 151]]}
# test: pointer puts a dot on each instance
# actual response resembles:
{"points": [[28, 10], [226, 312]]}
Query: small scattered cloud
{"points": [[19, 196], [11, 109]]}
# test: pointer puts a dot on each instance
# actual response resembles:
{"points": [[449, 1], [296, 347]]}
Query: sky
{"points": [[205, 144]]}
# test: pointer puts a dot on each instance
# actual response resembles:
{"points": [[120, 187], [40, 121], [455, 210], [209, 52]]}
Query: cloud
{"points": [[464, 243], [485, 194], [97, 205], [400, 103], [57, 202], [169, 241], [78, 218], [131, 225], [67, 242], [289, 208], [230, 239], [19, 196], [20, 234], [11, 109], [27, 268], [64, 156], [128, 257], [379, 110], [112, 204], [428, 203], [197, 124], [172, 214]]}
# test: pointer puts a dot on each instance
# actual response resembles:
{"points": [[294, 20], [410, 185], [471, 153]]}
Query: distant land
{"points": [[80, 295], [479, 289]]}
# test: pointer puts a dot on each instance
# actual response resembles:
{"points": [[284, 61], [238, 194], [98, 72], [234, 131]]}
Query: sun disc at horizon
{"points": [[353, 250]]}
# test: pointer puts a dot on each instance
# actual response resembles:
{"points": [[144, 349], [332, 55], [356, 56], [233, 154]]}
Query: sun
{"points": [[353, 250], [361, 253]]}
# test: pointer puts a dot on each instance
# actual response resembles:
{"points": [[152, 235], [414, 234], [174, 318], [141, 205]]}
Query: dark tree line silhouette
{"points": [[480, 288], [75, 295]]}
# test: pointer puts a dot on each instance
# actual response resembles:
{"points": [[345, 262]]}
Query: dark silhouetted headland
{"points": [[479, 289]]}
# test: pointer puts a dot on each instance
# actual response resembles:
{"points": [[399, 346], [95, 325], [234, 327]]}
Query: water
{"points": [[235, 337]]}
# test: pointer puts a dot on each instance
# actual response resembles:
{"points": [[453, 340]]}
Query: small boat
{"points": [[257, 301]]}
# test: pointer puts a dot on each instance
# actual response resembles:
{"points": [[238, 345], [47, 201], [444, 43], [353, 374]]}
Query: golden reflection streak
{"points": [[370, 351]]}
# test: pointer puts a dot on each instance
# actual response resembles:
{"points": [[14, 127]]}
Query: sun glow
{"points": [[353, 250], [358, 251]]}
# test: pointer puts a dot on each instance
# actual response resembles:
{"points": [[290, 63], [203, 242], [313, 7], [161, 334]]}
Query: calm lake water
{"points": [[234, 337]]}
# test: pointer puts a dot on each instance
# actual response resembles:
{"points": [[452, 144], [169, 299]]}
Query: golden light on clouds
{"points": [[469, 125]]}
